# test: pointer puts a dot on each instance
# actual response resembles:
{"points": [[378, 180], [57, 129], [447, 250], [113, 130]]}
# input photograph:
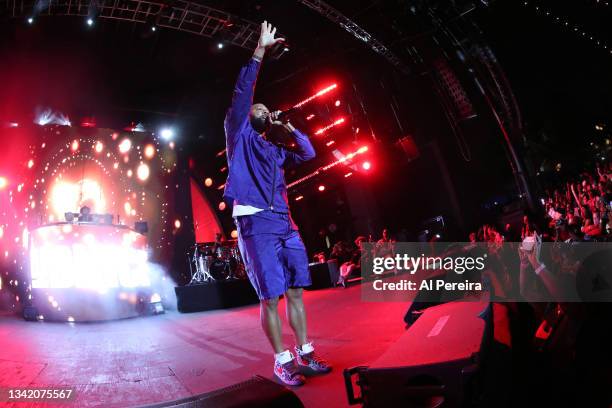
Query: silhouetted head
{"points": [[259, 117]]}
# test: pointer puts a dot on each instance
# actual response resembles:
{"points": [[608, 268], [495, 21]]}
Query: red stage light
{"points": [[177, 224], [337, 103], [326, 128], [321, 187], [310, 116], [331, 142], [3, 183], [349, 174], [234, 234], [88, 123], [366, 165], [319, 93], [222, 205], [208, 182], [298, 198]]}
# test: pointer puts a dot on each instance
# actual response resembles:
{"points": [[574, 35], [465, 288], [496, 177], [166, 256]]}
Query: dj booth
{"points": [[88, 271]]}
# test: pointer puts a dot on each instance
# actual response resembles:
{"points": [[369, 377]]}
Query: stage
{"points": [[148, 360]]}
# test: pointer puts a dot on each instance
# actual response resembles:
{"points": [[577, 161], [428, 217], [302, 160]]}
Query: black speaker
{"points": [[324, 274], [431, 365], [256, 392]]}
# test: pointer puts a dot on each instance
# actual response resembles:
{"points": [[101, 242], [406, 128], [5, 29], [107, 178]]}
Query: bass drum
{"points": [[219, 269]]}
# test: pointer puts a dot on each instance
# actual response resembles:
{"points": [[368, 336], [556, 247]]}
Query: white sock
{"points": [[306, 348], [283, 357]]}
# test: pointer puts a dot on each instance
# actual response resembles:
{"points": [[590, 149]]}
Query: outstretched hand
{"points": [[266, 36]]}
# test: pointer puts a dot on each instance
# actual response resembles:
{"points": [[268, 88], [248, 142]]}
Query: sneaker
{"points": [[288, 373], [312, 361]]}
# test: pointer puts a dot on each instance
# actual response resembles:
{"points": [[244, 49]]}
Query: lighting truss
{"points": [[178, 15], [350, 26]]}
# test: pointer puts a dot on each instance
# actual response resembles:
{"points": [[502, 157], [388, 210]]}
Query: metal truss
{"points": [[347, 24], [178, 15]]}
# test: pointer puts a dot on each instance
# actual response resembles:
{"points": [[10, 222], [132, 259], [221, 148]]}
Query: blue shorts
{"points": [[273, 253]]}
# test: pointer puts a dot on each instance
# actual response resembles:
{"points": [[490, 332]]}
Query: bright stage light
{"points": [[155, 298], [298, 198], [208, 182], [3, 183], [219, 45], [75, 145], [84, 266], [167, 134], [321, 187], [30, 20], [177, 224], [128, 208], [366, 165], [125, 145], [90, 22], [99, 147], [129, 173], [222, 205], [234, 234], [143, 172], [337, 103], [331, 125], [30, 163], [149, 151], [153, 28]]}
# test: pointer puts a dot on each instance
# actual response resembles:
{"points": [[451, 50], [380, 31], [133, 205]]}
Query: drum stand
{"points": [[201, 275]]}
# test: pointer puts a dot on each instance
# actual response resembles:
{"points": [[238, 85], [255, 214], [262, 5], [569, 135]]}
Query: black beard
{"points": [[260, 124]]}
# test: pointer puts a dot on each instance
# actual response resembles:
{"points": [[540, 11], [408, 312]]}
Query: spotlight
{"points": [[366, 165], [149, 151], [220, 45], [321, 187], [30, 20], [143, 172], [208, 182], [125, 146], [222, 206], [153, 28], [90, 21], [167, 134], [337, 103], [3, 182]]}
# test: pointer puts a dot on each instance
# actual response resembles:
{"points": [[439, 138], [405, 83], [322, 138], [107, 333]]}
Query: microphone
{"points": [[284, 116]]}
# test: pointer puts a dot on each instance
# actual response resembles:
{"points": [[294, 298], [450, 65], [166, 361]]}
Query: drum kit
{"points": [[215, 261]]}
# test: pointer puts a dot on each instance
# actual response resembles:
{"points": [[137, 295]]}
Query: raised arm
{"points": [[242, 99]]}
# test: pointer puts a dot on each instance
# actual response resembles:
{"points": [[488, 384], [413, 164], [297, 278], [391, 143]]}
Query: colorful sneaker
{"points": [[288, 373], [312, 361]]}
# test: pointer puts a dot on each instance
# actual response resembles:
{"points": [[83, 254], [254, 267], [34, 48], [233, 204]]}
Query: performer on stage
{"points": [[269, 241]]}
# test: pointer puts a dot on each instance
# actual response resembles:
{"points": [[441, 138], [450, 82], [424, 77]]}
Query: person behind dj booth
{"points": [[85, 214], [268, 238]]}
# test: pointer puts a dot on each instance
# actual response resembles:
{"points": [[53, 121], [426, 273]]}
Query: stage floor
{"points": [[159, 358]]}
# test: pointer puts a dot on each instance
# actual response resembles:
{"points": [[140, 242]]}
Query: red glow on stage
{"points": [[30, 163], [3, 183], [318, 94], [310, 116], [88, 123], [298, 198], [366, 165], [326, 128], [331, 142], [221, 153], [349, 174], [337, 103], [321, 187], [74, 146]]}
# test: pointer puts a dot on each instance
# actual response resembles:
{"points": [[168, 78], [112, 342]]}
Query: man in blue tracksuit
{"points": [[269, 241]]}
